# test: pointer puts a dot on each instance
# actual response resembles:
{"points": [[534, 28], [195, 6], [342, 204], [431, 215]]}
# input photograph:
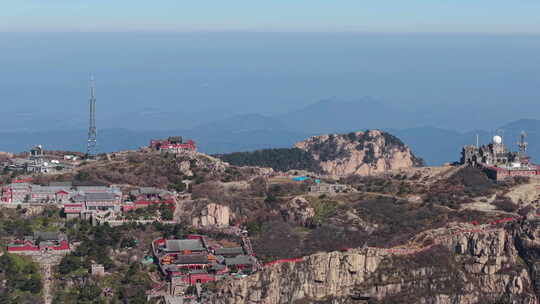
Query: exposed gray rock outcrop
{"points": [[362, 153], [214, 215], [462, 267], [298, 210]]}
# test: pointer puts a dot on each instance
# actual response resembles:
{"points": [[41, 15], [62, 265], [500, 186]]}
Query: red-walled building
{"points": [[194, 278], [39, 242], [191, 261], [501, 173], [173, 144]]}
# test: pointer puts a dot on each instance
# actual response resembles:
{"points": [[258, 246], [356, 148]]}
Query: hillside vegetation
{"points": [[144, 169], [360, 153], [20, 280], [277, 159]]}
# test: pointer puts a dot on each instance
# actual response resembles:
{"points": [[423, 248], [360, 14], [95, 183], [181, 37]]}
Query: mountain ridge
{"points": [[252, 131]]}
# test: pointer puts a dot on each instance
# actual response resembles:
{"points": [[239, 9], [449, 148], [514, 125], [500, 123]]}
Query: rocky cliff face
{"points": [[361, 153], [212, 215], [459, 266], [298, 210]]}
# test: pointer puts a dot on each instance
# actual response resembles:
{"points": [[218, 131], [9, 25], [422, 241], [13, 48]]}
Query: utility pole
{"points": [[91, 146]]}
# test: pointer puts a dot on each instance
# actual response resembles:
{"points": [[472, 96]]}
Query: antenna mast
{"points": [[522, 144], [91, 147]]}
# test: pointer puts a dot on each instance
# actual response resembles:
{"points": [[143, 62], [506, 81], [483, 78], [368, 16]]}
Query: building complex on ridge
{"points": [[499, 162]]}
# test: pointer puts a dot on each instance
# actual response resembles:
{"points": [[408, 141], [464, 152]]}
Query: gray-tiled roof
{"points": [[218, 267], [240, 260], [47, 244], [61, 184], [230, 251], [93, 188], [79, 198], [48, 189], [91, 196], [192, 259], [179, 245], [19, 185], [48, 236]]}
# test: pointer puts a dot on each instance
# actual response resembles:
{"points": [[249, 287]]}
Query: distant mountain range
{"points": [[254, 131]]}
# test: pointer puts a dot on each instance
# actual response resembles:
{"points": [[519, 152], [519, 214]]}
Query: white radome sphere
{"points": [[497, 139]]}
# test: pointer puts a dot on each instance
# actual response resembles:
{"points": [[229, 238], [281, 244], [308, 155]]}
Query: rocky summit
{"points": [[361, 153]]}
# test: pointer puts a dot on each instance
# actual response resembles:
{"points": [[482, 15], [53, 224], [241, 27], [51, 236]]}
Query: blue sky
{"points": [[459, 16]]}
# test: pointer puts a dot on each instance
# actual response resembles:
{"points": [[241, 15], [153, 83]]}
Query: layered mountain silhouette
{"points": [[247, 132]]}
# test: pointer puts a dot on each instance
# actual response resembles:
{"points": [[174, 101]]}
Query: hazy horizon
{"points": [[155, 78]]}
